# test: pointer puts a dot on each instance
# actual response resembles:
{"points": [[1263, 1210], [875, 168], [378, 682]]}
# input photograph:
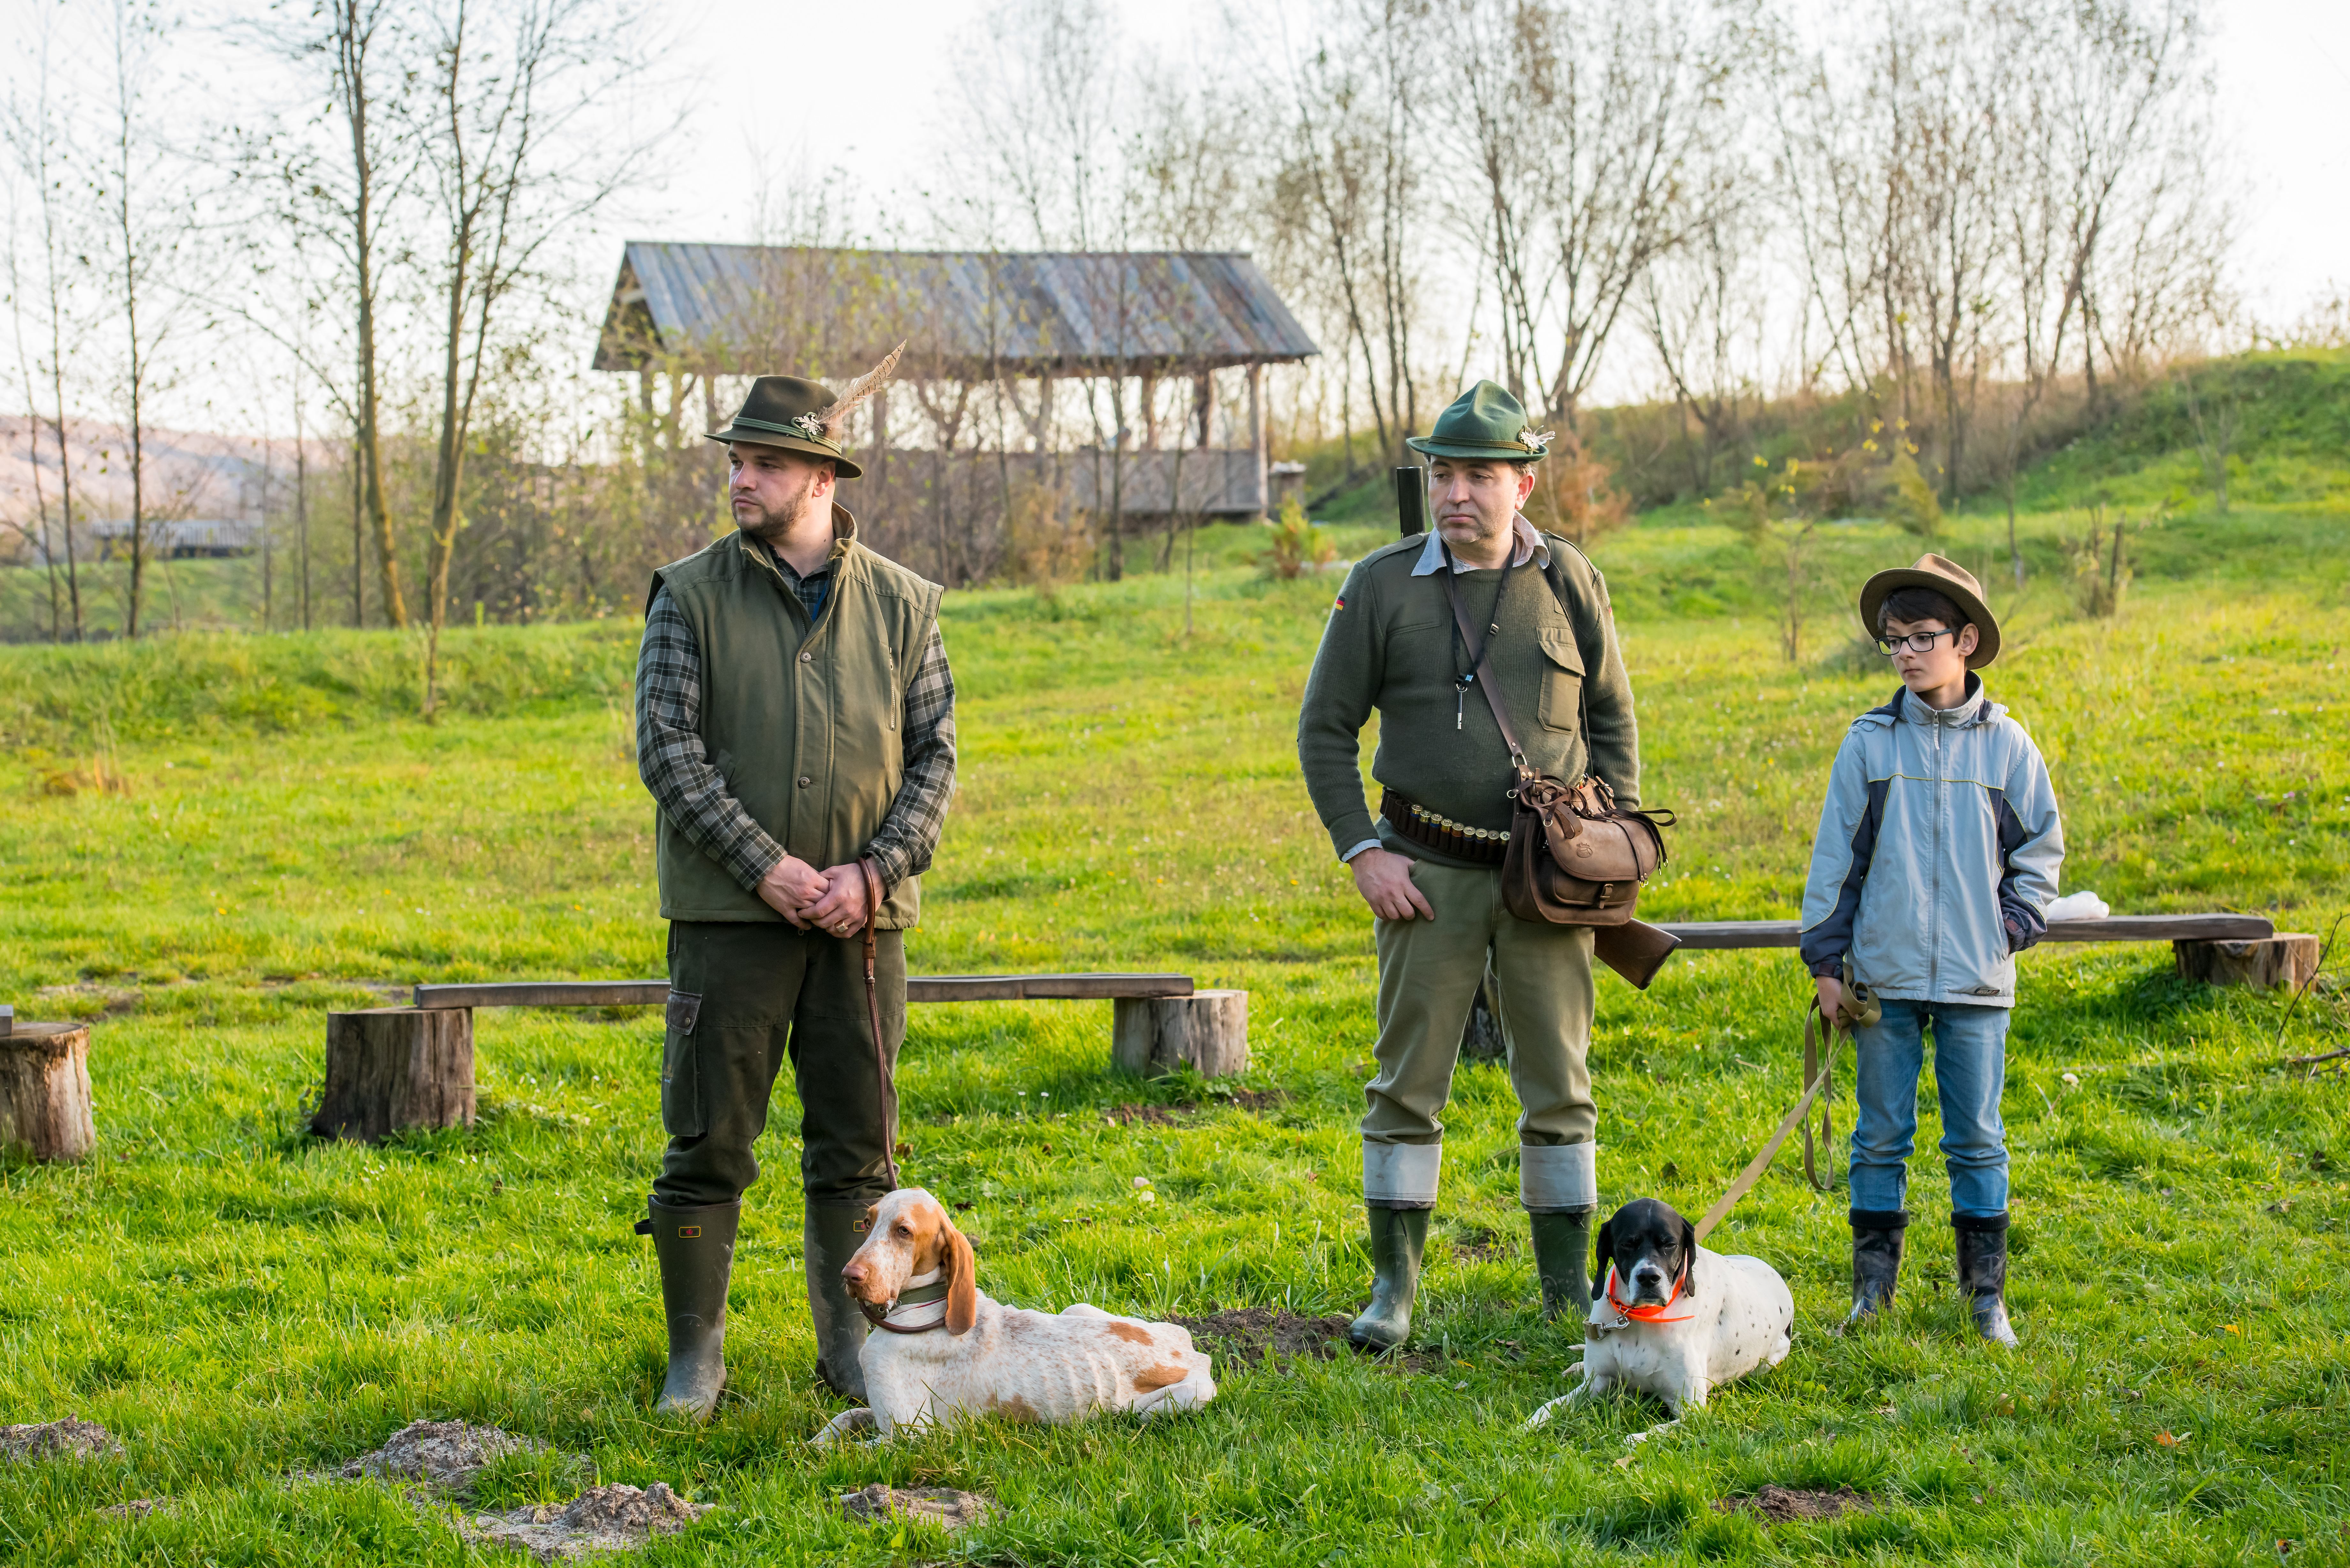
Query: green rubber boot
{"points": [[1398, 1240], [696, 1251], [833, 1232], [1561, 1262]]}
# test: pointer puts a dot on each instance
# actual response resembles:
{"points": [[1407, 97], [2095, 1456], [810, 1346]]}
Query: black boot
{"points": [[1875, 1260], [696, 1250], [1983, 1273], [832, 1233], [1561, 1262], [1399, 1238]]}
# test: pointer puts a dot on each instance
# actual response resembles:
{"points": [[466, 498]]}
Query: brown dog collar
{"points": [[922, 1296]]}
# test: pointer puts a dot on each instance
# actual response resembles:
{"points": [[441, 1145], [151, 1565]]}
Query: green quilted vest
{"points": [[804, 723]]}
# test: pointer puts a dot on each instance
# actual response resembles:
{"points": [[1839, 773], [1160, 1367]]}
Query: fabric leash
{"points": [[1817, 1071], [883, 1090]]}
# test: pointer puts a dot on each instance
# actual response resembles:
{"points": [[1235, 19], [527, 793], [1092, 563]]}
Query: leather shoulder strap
{"points": [[1475, 643]]}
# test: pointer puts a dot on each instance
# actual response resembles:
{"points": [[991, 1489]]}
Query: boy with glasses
{"points": [[1938, 849]]}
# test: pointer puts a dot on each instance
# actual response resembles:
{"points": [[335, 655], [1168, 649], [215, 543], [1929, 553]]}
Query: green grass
{"points": [[242, 1304]]}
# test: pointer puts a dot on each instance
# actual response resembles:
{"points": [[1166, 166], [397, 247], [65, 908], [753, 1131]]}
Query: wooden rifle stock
{"points": [[1635, 950]]}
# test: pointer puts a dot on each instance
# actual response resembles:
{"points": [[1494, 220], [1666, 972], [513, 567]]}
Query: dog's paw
{"points": [[840, 1426]]}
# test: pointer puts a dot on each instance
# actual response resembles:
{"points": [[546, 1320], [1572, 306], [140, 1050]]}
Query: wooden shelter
{"points": [[976, 317]]}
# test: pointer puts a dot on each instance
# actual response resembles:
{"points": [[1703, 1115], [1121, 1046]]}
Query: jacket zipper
{"points": [[1934, 902]]}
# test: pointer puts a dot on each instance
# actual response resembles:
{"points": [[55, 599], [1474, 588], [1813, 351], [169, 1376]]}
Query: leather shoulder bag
{"points": [[1575, 857]]}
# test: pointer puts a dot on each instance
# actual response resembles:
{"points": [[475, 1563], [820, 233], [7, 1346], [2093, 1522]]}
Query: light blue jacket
{"points": [[1937, 852]]}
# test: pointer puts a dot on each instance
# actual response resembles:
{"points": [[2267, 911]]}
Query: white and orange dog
{"points": [[941, 1350]]}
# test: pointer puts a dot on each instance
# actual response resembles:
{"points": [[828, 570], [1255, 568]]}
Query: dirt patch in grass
{"points": [[1470, 1246], [137, 1507], [1247, 1332], [602, 1519], [446, 1454], [1251, 1100], [71, 1438], [952, 1508], [1787, 1505]]}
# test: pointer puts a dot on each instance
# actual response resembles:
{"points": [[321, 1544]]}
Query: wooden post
{"points": [[392, 1067], [1207, 1029], [1257, 444], [1203, 405], [44, 1103], [2288, 959]]}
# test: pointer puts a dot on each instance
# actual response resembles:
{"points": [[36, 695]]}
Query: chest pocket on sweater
{"points": [[1561, 681]]}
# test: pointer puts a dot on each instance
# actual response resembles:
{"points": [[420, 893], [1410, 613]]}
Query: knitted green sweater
{"points": [[1390, 645]]}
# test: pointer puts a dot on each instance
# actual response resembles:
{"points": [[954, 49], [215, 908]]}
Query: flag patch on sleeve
{"points": [[1341, 604]]}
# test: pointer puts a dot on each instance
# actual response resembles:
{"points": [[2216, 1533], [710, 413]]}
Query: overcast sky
{"points": [[2284, 78]]}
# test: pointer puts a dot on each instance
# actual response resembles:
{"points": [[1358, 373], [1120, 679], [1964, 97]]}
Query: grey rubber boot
{"points": [[696, 1251], [1877, 1235], [833, 1232], [1399, 1240], [1983, 1273], [1561, 1262]]}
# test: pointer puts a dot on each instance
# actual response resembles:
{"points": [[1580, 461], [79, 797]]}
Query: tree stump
{"points": [[392, 1067], [2288, 959], [44, 1103], [1207, 1029]]}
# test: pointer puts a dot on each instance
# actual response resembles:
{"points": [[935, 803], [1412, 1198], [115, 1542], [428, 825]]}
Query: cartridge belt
{"points": [[1456, 840]]}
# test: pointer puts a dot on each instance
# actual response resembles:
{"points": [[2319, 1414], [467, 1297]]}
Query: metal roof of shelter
{"points": [[966, 315]]}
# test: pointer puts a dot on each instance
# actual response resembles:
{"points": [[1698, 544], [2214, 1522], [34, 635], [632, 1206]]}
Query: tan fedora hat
{"points": [[1951, 580]]}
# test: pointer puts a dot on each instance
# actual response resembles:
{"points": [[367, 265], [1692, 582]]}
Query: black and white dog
{"points": [[1672, 1319]]}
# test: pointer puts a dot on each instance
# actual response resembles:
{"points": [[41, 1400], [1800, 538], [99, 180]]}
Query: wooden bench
{"points": [[389, 1067], [413, 1066], [2223, 950]]}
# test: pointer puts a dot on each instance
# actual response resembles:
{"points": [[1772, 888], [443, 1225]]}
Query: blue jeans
{"points": [[1970, 1070]]}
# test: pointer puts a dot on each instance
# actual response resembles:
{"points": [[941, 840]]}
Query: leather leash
{"points": [[883, 1088], [1817, 1071]]}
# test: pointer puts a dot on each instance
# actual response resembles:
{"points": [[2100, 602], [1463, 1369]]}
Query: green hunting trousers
{"points": [[1429, 974], [743, 997]]}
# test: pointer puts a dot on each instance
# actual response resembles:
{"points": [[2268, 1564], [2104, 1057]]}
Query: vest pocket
{"points": [[1561, 681], [682, 1112]]}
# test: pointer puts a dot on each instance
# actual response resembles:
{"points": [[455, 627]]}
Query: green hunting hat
{"points": [[794, 414], [1484, 422], [1951, 580]]}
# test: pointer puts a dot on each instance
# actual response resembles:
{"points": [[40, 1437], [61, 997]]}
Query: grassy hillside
{"points": [[245, 1306]]}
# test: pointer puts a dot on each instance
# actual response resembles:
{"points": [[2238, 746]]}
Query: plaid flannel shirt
{"points": [[676, 766]]}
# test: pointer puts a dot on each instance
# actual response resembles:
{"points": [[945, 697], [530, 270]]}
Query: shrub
{"points": [[1298, 546]]}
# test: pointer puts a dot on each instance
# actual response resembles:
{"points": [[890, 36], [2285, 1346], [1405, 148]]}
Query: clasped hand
{"points": [[833, 900]]}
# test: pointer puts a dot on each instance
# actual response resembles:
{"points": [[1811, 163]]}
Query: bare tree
{"points": [[144, 234], [1701, 308], [502, 106], [40, 146], [1346, 203], [339, 179], [1581, 123]]}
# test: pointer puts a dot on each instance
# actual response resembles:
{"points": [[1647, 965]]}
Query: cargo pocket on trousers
{"points": [[681, 1068], [1562, 687]]}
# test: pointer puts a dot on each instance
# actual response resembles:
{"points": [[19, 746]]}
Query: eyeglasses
{"points": [[1916, 642]]}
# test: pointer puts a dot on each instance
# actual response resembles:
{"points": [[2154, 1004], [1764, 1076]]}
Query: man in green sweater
{"points": [[1429, 866]]}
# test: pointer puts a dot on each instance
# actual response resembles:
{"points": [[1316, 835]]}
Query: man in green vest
{"points": [[1429, 866], [796, 724]]}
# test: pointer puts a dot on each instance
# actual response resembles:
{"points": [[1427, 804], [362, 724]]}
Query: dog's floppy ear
{"points": [[962, 1282], [1606, 1254], [1688, 1254]]}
